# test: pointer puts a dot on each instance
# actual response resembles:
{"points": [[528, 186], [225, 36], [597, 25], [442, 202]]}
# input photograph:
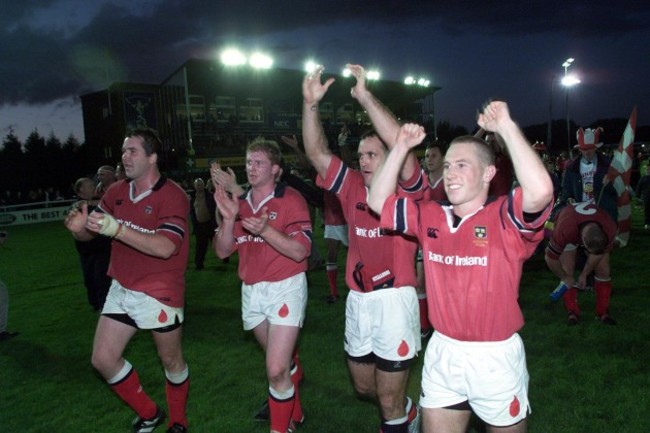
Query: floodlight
{"points": [[570, 80], [346, 72], [310, 66], [409, 80], [260, 61], [373, 75], [232, 57]]}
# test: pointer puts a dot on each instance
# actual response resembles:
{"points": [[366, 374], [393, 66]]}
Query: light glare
{"points": [[570, 80], [373, 75], [261, 61], [310, 66], [233, 57]]}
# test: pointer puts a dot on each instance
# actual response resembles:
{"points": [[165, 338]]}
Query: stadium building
{"points": [[206, 110]]}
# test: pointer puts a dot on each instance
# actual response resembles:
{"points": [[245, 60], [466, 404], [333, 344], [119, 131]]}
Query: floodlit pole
{"points": [[549, 132], [188, 113], [568, 81]]}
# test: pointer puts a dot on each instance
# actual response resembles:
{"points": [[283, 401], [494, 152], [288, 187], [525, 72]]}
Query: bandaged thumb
{"points": [[109, 226]]}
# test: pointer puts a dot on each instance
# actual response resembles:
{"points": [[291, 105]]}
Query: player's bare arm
{"points": [[533, 177], [313, 135], [383, 120], [153, 244], [384, 182]]}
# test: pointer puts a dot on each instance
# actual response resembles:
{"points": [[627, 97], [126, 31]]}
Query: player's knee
{"points": [[103, 362], [277, 374]]}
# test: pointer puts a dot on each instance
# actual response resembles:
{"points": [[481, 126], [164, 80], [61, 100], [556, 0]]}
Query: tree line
{"points": [[41, 163]]}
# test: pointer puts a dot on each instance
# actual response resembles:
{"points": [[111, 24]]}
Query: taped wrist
{"points": [[109, 226]]}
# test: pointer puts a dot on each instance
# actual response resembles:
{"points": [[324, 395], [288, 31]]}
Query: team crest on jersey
{"points": [[361, 206], [432, 232], [480, 236], [273, 216], [148, 210], [480, 232]]}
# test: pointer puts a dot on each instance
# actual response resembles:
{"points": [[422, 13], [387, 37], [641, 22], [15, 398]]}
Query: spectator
{"points": [[95, 254], [203, 210], [4, 302], [643, 191], [584, 177], [105, 177], [119, 171]]}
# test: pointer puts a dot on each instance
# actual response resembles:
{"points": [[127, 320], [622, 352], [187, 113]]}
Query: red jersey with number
{"points": [[288, 213], [473, 266], [163, 210], [376, 257], [570, 221]]}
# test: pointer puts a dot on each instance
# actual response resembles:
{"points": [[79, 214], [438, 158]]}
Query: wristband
{"points": [[109, 226]]}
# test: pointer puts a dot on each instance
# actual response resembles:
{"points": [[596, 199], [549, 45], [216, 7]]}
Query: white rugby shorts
{"points": [[491, 376], [147, 312], [280, 302], [385, 322]]}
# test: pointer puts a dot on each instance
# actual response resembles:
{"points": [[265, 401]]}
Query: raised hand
{"points": [[312, 88], [359, 90], [292, 141], [494, 115], [227, 204], [410, 135], [220, 177]]}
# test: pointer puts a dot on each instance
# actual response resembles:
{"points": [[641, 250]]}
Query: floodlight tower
{"points": [[568, 81]]}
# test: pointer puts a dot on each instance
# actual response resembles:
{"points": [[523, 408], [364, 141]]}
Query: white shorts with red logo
{"points": [[491, 376], [147, 312], [385, 322], [280, 302]]}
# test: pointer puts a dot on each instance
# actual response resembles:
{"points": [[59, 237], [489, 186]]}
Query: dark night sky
{"points": [[55, 50]]}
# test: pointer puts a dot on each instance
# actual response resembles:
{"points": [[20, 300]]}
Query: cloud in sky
{"points": [[58, 50]]}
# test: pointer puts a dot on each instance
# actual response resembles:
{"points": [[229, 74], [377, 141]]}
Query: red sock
{"points": [[332, 274], [297, 414], [424, 311], [297, 376], [570, 299], [603, 293], [130, 390], [177, 401], [280, 412]]}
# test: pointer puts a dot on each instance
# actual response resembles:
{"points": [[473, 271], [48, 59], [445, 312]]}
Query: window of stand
{"points": [[252, 111], [223, 109]]}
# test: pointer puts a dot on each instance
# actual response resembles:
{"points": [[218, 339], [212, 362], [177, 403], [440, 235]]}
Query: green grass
{"points": [[589, 378]]}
